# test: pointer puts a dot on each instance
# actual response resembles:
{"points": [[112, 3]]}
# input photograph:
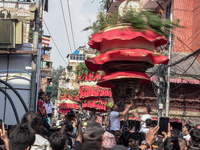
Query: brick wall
{"points": [[190, 19], [196, 24], [18, 10]]}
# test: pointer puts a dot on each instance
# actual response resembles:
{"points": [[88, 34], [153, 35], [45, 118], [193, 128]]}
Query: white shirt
{"points": [[114, 121], [40, 143], [58, 123], [145, 130], [49, 107], [187, 137], [144, 118]]}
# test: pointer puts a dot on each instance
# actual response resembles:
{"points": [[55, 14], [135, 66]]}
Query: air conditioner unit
{"points": [[11, 33]]}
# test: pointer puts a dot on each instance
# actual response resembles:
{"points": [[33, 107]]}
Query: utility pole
{"points": [[32, 104], [160, 90], [168, 72]]}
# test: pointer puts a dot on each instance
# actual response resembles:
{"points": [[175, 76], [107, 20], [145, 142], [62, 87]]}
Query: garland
{"points": [[72, 93]]}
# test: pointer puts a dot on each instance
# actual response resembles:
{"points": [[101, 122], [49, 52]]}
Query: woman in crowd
{"points": [[35, 122]]}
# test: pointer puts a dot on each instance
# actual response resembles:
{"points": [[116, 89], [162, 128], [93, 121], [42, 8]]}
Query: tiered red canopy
{"points": [[68, 104], [92, 95], [96, 103], [125, 55]]}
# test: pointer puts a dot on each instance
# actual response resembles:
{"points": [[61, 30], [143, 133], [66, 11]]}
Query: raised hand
{"points": [[151, 135], [4, 136]]}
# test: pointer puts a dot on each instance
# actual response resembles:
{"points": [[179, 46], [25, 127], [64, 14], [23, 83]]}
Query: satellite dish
{"points": [[128, 6]]}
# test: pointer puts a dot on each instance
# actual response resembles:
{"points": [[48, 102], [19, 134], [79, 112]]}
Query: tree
{"points": [[56, 73]]}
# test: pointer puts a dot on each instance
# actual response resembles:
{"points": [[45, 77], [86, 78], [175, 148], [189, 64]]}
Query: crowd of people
{"points": [[74, 134]]}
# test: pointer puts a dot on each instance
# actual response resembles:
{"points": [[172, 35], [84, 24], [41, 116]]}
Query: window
{"points": [[77, 57]]}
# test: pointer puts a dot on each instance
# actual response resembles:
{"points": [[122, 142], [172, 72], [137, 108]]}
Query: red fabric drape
{"points": [[127, 34], [94, 91], [94, 64]]}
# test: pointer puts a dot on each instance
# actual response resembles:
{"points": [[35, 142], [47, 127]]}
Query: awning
{"points": [[178, 80], [152, 4]]}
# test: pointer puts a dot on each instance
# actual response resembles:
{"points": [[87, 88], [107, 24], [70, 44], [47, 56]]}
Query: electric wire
{"points": [[65, 25], [54, 43], [70, 19], [186, 41]]}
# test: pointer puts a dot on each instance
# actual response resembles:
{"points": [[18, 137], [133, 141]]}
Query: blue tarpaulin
{"points": [[76, 52]]}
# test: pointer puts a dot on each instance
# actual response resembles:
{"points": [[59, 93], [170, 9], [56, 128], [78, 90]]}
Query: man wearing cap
{"points": [[108, 140], [115, 118]]}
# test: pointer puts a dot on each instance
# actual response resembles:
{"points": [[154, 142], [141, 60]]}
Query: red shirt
{"points": [[42, 106]]}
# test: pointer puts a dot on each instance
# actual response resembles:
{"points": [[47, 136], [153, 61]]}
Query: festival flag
{"points": [[45, 40]]}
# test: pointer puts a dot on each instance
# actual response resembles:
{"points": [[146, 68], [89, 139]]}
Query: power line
{"points": [[183, 43], [65, 25], [185, 58], [71, 24], [54, 42]]}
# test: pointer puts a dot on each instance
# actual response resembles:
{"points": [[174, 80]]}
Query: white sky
{"points": [[83, 13]]}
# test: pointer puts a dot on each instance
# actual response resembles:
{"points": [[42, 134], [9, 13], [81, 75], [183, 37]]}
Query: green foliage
{"points": [[71, 92], [104, 3], [30, 36], [81, 69], [139, 21], [55, 73]]}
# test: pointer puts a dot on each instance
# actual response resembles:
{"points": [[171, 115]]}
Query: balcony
{"points": [[22, 4], [112, 5]]}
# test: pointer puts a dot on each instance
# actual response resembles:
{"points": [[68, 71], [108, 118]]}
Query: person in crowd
{"points": [[67, 128], [149, 139], [195, 138], [147, 126], [35, 122], [21, 137], [123, 140], [175, 132], [49, 106], [93, 136], [108, 140], [135, 139], [133, 128], [58, 141], [84, 127], [41, 108], [174, 143], [186, 130], [115, 119], [145, 116]]}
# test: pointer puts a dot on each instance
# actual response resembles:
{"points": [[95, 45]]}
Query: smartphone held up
{"points": [[163, 124]]}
